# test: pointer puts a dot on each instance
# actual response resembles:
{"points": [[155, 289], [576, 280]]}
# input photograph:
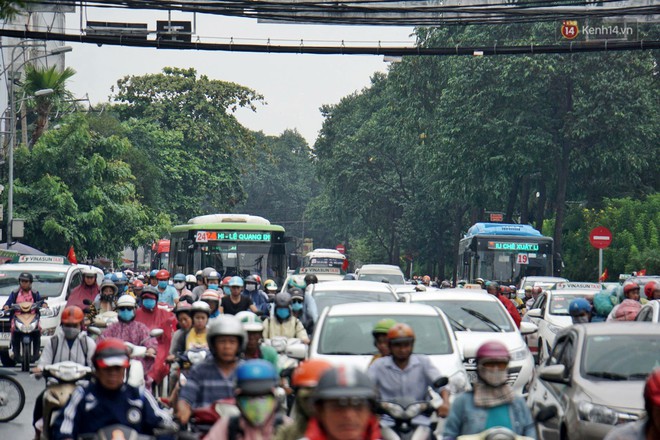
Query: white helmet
{"points": [[200, 306], [88, 270], [250, 321], [126, 301], [191, 279]]}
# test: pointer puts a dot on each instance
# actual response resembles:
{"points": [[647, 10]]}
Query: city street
{"points": [[21, 427]]}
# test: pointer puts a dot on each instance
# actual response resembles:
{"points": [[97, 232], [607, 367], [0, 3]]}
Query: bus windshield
{"points": [[505, 266], [240, 259]]}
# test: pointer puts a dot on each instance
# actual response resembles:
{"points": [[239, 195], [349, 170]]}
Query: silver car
{"points": [[595, 378]]}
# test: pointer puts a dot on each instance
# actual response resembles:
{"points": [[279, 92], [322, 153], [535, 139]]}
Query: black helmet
{"points": [[25, 276], [250, 279], [345, 382], [282, 299]]}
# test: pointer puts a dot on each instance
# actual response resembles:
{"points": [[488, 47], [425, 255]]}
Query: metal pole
{"points": [[10, 158], [600, 263]]}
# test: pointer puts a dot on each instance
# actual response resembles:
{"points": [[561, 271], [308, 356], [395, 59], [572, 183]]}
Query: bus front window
{"points": [[242, 259]]}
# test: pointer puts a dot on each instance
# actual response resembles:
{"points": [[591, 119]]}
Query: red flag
{"points": [[603, 276], [71, 256], [641, 273]]}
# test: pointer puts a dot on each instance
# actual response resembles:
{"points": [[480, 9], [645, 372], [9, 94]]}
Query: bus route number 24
{"points": [[202, 237]]}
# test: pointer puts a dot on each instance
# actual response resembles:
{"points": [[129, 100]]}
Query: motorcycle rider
{"points": [[405, 372], [256, 380], [379, 333], [310, 311], [105, 300], [304, 380], [136, 291], [283, 323], [652, 290], [528, 298], [69, 343], [153, 282], [536, 291], [492, 402], [254, 349], [129, 330], [121, 281], [183, 313], [236, 302], [214, 378], [344, 400], [107, 400], [181, 289], [628, 308], [298, 309], [258, 296], [647, 428], [493, 289], [197, 291], [87, 290], [24, 294], [224, 285], [191, 282], [580, 311], [212, 298], [166, 294]]}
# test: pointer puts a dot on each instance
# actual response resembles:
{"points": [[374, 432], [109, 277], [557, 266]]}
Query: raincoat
{"points": [[159, 318], [134, 332], [81, 293]]}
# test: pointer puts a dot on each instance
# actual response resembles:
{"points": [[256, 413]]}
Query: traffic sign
{"points": [[600, 237], [341, 248]]}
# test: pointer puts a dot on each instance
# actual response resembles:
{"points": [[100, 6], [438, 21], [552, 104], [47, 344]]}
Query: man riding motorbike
{"points": [[236, 302], [87, 290], [258, 296], [181, 289], [212, 298], [183, 313], [283, 323], [166, 294], [24, 294], [580, 311]]}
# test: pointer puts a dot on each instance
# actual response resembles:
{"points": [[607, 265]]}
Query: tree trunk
{"points": [[24, 128], [456, 237], [524, 200], [511, 204]]}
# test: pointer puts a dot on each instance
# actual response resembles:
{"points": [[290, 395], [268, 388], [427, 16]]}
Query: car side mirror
{"points": [[402, 299], [296, 351], [527, 328], [546, 414], [554, 373], [535, 313], [87, 302]]}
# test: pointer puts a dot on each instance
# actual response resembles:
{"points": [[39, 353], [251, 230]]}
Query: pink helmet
{"points": [[493, 351]]}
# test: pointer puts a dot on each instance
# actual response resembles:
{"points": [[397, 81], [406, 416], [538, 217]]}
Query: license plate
{"points": [[5, 336]]}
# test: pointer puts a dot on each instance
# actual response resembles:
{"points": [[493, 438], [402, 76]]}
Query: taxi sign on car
{"points": [[43, 259], [577, 286]]}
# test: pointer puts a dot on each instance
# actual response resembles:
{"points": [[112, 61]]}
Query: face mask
{"points": [[162, 284], [493, 377], [283, 313], [213, 286], [70, 332], [583, 319], [256, 409], [149, 303], [250, 287], [180, 285], [126, 315], [226, 290], [297, 307]]}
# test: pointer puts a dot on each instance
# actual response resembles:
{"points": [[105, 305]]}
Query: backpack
{"points": [[55, 341], [603, 303], [234, 428]]}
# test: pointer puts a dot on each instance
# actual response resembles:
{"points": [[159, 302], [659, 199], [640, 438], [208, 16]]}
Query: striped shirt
{"points": [[206, 383]]}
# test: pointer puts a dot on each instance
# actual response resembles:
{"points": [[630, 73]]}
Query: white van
{"points": [[381, 273], [54, 279]]}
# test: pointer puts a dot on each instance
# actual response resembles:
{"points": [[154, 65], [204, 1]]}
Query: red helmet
{"points": [[629, 286], [652, 388], [493, 351], [537, 290], [400, 333], [72, 315], [504, 290], [225, 281], [257, 278], [162, 275], [137, 284], [651, 287], [307, 374], [111, 352]]}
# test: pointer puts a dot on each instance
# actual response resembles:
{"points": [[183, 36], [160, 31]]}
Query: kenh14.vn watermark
{"points": [[572, 30]]}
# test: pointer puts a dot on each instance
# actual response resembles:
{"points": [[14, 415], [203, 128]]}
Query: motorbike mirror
{"points": [[94, 330], [546, 414], [87, 302], [440, 382], [297, 351], [87, 310], [157, 332]]}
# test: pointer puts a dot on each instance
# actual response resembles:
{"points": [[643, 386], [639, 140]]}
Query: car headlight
{"points": [[555, 328], [50, 312], [519, 354], [458, 382], [602, 414]]}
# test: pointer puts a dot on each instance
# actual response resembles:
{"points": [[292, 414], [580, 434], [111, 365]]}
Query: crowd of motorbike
{"points": [[200, 356]]}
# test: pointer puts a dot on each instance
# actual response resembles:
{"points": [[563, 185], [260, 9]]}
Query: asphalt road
{"points": [[21, 427]]}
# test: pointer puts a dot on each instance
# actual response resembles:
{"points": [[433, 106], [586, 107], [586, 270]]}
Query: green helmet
{"points": [[297, 282], [383, 326]]}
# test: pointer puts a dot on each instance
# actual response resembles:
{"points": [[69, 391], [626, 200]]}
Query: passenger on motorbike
{"points": [[137, 288], [283, 323], [379, 333], [121, 281], [181, 289], [310, 311], [298, 308], [652, 290], [24, 294], [304, 380], [183, 313], [236, 302], [87, 290], [494, 289], [492, 402], [258, 296], [191, 282], [166, 294], [69, 343], [153, 282], [107, 400], [196, 337], [212, 298], [256, 380], [213, 379], [344, 402], [628, 309], [271, 288], [254, 349], [647, 428], [105, 301], [580, 311], [404, 374]]}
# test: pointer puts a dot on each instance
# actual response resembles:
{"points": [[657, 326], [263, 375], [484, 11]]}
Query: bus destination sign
{"points": [[513, 246], [242, 236]]}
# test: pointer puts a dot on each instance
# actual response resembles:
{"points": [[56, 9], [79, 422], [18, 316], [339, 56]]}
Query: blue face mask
{"points": [[149, 303], [226, 290], [283, 313], [213, 286], [297, 307], [162, 284], [126, 315]]}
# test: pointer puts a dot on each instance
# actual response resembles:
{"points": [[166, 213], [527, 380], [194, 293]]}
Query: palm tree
{"points": [[39, 78]]}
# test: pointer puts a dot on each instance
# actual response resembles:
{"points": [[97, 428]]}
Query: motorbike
{"points": [[290, 352], [26, 323], [496, 433], [12, 396], [204, 418], [184, 361], [61, 381], [403, 410], [122, 432]]}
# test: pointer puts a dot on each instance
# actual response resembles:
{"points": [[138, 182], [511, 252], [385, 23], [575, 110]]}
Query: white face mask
{"points": [[250, 287], [179, 285], [493, 377]]}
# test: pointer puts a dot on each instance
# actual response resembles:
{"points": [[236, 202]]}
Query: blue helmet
{"points": [[107, 276], [153, 273], [119, 278], [236, 281], [256, 377], [179, 277], [579, 306]]}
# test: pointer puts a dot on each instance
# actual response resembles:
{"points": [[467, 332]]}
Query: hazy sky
{"points": [[294, 86]]}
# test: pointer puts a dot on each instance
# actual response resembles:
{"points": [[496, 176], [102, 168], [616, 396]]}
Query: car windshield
{"points": [[469, 315], [620, 357], [330, 298], [559, 303], [382, 277], [351, 335], [48, 284]]}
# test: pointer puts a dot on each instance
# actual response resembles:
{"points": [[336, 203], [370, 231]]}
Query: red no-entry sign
{"points": [[600, 237], [341, 248]]}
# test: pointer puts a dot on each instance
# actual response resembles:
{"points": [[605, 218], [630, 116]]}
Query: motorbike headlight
{"points": [[50, 312], [599, 414], [22, 327], [393, 409], [519, 354], [32, 327], [195, 357], [554, 328], [415, 409], [458, 382]]}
